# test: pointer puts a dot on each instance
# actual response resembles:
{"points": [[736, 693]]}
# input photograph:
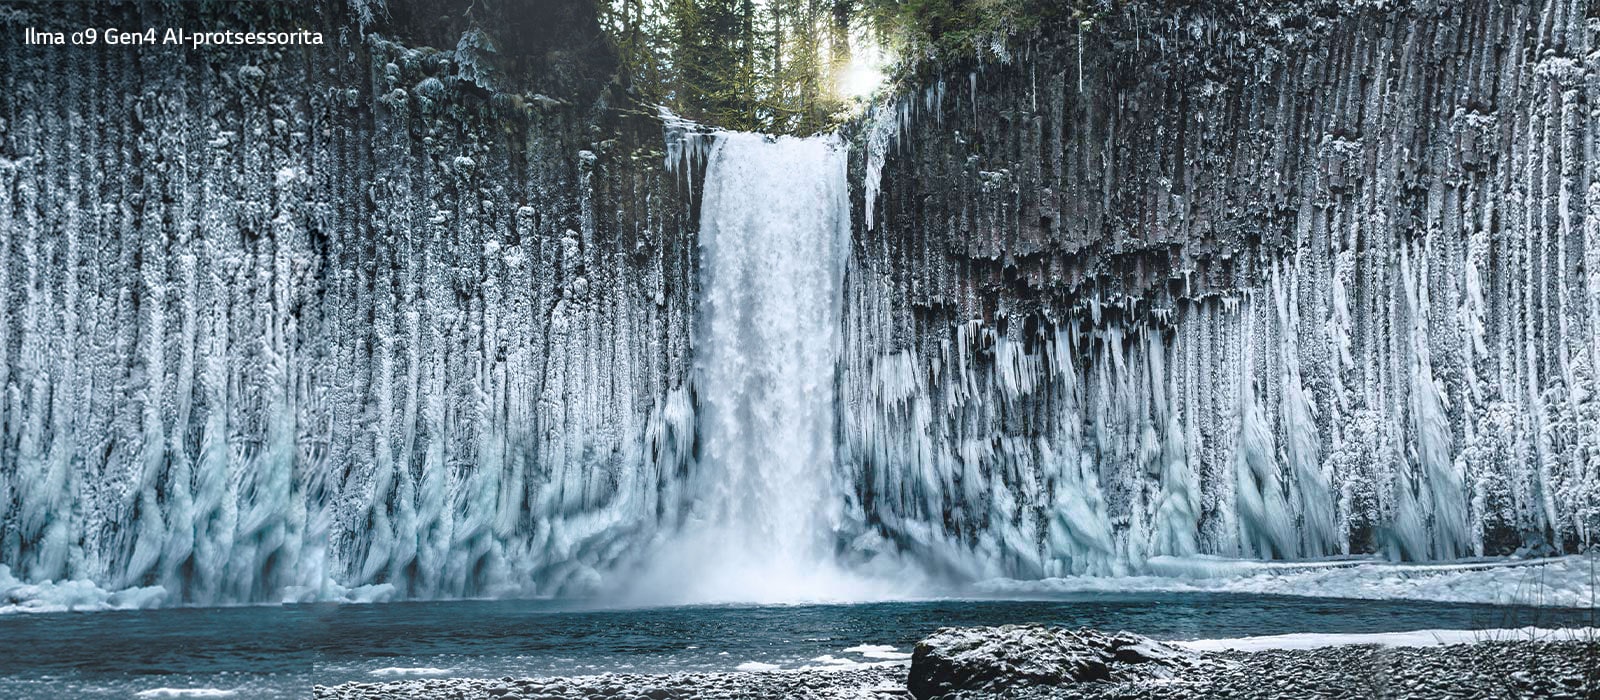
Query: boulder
{"points": [[990, 659]]}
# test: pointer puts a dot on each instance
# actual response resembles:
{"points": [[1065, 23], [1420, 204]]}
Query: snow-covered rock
{"points": [[1013, 656]]}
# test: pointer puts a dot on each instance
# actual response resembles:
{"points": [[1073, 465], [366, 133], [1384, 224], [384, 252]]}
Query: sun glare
{"points": [[865, 71]]}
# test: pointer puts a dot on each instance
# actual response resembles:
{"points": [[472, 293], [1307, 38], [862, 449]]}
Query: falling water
{"points": [[773, 232], [775, 224]]}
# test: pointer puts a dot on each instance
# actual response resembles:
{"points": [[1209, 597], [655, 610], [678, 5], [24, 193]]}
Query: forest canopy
{"points": [[794, 66]]}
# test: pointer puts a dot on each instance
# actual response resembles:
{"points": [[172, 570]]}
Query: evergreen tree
{"points": [[756, 65]]}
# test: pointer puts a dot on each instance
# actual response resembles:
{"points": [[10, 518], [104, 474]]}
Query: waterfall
{"points": [[774, 233], [406, 342], [774, 226]]}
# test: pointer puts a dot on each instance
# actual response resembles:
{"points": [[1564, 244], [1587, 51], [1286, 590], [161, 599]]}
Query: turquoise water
{"points": [[280, 652]]}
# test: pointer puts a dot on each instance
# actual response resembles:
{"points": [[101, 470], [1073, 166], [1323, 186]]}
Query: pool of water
{"points": [[281, 651]]}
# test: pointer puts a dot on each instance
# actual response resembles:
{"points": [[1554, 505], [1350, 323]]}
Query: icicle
{"points": [[883, 131]]}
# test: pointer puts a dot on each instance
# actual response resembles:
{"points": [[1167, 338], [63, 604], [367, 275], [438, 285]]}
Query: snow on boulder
{"points": [[991, 659]]}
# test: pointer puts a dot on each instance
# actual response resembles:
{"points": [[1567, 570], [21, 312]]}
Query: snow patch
{"points": [[185, 693], [877, 651], [1560, 582], [1417, 638], [394, 671], [831, 660]]}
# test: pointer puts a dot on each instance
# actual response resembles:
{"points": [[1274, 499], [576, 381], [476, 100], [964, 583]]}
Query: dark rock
{"points": [[1012, 656]]}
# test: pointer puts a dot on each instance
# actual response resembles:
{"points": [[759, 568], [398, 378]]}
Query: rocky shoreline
{"points": [[1038, 662]]}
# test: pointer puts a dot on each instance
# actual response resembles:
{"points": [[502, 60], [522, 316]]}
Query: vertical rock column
{"points": [[1267, 281]]}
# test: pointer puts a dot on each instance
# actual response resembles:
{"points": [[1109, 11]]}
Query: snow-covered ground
{"points": [[1570, 582], [82, 595], [1566, 582], [1418, 638]]}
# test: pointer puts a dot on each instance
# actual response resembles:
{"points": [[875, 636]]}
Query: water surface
{"points": [[281, 651]]}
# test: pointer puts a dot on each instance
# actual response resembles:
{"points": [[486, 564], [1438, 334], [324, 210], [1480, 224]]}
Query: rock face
{"points": [[411, 311], [281, 321], [1259, 279], [992, 659]]}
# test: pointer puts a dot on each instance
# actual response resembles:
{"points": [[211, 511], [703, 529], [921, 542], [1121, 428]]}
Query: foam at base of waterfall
{"points": [[701, 567], [759, 584], [1565, 582], [775, 226], [331, 592]]}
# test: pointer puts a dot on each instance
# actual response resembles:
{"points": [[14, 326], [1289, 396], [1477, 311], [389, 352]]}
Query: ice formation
{"points": [[1284, 320], [334, 329], [1103, 445], [256, 349]]}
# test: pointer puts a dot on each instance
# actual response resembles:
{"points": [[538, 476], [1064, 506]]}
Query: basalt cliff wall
{"points": [[404, 310], [410, 313], [1263, 279]]}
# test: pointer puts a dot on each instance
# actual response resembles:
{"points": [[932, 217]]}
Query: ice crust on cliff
{"points": [[1084, 335], [405, 360]]}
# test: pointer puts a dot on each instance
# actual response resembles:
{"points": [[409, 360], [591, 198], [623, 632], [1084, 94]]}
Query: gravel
{"points": [[1516, 669], [885, 681], [1489, 669]]}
